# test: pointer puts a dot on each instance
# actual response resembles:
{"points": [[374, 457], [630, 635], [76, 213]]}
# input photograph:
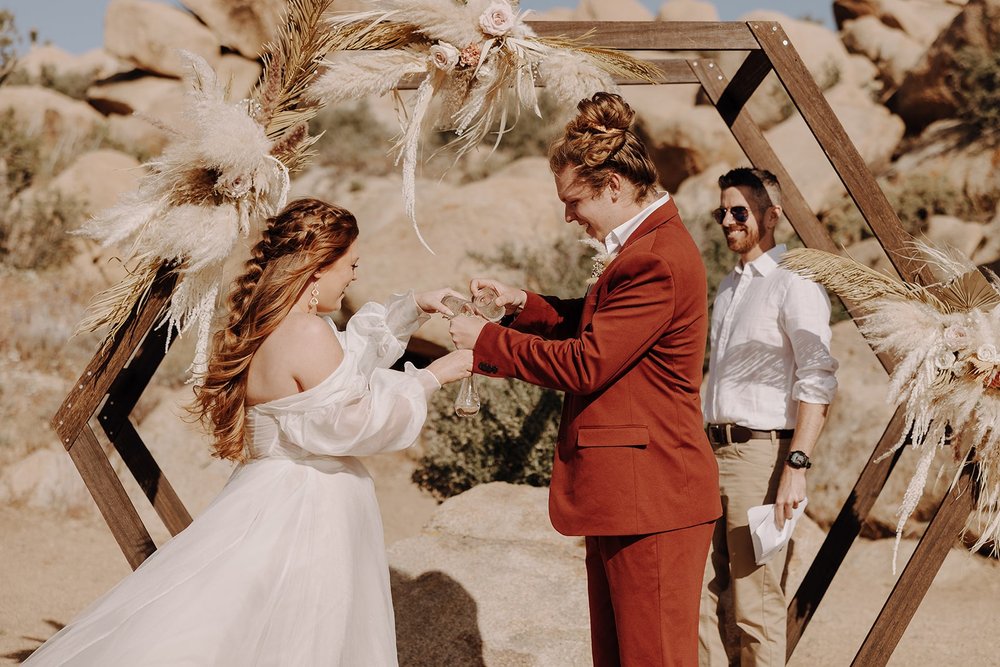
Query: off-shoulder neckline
{"points": [[276, 402]]}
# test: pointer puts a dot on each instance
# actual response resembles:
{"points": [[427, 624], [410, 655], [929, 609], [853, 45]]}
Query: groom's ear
{"points": [[615, 186]]}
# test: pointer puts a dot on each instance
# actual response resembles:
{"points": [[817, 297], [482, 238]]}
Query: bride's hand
{"points": [[452, 366], [511, 298], [431, 302]]}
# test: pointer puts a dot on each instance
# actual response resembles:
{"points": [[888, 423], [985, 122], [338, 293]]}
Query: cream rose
{"points": [[955, 336], [987, 353], [498, 19], [944, 360], [444, 56]]}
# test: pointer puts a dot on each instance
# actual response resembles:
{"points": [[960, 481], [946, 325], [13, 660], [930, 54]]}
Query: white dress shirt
{"points": [[770, 346], [617, 237]]}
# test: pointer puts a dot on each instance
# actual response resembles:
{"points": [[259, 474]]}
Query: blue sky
{"points": [[77, 25]]}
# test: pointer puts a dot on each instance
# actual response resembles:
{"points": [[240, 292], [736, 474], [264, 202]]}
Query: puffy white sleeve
{"points": [[382, 414], [378, 333]]}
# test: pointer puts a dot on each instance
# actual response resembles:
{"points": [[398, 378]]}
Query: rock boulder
{"points": [[893, 51], [874, 131], [150, 35], [687, 10], [928, 91], [96, 179], [485, 586], [490, 582], [620, 10], [58, 120]]}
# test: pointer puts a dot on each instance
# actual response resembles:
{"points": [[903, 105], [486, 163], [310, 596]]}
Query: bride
{"points": [[287, 565]]}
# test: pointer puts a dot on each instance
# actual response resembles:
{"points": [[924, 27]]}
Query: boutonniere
{"points": [[601, 258]]}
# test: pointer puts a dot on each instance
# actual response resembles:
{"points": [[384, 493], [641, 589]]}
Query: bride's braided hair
{"points": [[305, 237], [599, 141]]}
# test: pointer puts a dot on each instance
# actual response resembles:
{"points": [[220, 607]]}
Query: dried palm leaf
{"points": [[970, 291], [614, 62], [112, 307], [851, 280], [373, 34], [293, 58]]}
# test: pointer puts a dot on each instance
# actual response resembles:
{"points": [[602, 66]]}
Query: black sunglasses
{"points": [[740, 214]]}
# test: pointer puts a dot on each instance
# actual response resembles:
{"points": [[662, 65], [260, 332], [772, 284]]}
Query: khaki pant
{"points": [[748, 475]]}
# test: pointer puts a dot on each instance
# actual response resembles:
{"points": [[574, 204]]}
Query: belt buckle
{"points": [[719, 434]]}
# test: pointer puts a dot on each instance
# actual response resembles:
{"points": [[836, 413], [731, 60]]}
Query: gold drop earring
{"points": [[314, 301]]}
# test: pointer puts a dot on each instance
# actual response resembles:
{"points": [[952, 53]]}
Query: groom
{"points": [[633, 470]]}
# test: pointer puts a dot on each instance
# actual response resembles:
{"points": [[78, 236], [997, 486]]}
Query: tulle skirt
{"points": [[287, 566]]}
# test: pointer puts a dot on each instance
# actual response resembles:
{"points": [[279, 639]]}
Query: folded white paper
{"points": [[767, 539]]}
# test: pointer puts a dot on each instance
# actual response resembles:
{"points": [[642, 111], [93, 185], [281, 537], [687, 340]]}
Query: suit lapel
{"points": [[662, 215]]}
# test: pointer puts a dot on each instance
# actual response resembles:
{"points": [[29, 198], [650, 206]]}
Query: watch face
{"points": [[798, 459]]}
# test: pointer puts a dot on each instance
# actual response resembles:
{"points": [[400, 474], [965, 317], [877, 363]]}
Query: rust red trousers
{"points": [[644, 594]]}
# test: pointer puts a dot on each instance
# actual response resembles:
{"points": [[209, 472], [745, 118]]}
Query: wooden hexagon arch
{"points": [[111, 384]]}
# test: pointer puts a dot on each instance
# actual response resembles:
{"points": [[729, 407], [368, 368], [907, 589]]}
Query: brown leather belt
{"points": [[729, 434]]}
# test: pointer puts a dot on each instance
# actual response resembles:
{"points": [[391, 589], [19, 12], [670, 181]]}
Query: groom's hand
{"points": [[431, 302], [465, 330], [511, 298]]}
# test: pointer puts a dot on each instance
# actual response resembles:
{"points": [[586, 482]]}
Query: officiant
{"points": [[770, 382], [633, 470]]}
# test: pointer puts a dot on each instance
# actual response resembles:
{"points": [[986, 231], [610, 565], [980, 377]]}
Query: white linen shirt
{"points": [[770, 346], [617, 237]]}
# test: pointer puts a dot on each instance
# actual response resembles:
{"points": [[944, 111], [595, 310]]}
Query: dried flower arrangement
{"points": [[944, 337], [478, 57], [219, 177]]}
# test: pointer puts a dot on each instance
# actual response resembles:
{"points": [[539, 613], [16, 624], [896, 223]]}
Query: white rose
{"points": [[444, 56], [955, 336], [498, 19], [987, 353], [944, 360]]}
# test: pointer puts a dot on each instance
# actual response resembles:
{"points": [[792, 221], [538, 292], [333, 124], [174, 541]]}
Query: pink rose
{"points": [[498, 19], [444, 56]]}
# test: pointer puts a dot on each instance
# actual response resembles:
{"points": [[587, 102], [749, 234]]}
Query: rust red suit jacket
{"points": [[632, 457]]}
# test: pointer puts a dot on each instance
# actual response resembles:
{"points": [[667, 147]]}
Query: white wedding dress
{"points": [[287, 565]]}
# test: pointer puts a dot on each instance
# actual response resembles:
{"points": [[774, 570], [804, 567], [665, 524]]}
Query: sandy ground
{"points": [[54, 566]]}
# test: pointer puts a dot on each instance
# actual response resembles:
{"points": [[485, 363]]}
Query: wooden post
{"points": [[123, 395], [106, 376], [923, 566], [843, 156]]}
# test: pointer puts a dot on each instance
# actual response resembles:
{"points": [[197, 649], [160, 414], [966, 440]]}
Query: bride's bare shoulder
{"points": [[301, 352]]}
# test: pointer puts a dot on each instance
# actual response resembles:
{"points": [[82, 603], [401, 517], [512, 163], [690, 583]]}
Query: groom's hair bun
{"points": [[600, 141]]}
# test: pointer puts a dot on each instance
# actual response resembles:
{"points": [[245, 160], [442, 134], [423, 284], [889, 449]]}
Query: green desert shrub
{"points": [[513, 437], [33, 228], [510, 440], [915, 198], [71, 84], [976, 83], [9, 40], [35, 235]]}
